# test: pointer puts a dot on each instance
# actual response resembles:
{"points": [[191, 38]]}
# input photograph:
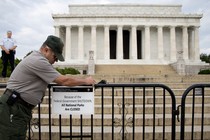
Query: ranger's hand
{"points": [[90, 81]]}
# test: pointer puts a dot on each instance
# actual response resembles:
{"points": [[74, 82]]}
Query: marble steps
{"points": [[178, 90], [178, 84], [139, 78], [76, 121], [118, 135], [138, 109], [135, 69], [139, 99]]}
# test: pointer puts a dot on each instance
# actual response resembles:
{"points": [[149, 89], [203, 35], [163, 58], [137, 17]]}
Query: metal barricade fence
{"points": [[198, 94], [128, 106], [128, 116]]}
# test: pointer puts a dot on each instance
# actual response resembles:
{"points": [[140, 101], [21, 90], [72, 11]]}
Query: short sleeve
{"points": [[45, 71]]}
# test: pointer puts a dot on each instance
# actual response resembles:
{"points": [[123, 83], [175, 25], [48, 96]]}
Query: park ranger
{"points": [[26, 87]]}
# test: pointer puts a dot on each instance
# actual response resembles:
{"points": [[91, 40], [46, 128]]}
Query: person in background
{"points": [[26, 87], [8, 46]]}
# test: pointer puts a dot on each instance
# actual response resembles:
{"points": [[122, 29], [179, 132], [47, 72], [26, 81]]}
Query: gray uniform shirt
{"points": [[31, 77]]}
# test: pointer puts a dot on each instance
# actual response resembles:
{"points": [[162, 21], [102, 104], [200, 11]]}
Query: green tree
{"points": [[205, 58]]}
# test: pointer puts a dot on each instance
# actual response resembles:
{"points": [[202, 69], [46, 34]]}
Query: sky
{"points": [[31, 20]]}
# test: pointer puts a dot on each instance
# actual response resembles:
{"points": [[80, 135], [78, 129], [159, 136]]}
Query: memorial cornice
{"points": [[129, 16], [125, 11]]}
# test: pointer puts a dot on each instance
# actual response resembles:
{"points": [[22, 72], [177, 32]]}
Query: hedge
{"points": [[207, 71]]}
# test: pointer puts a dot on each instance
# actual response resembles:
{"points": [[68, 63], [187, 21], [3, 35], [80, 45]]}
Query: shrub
{"points": [[204, 71], [205, 57], [68, 71]]}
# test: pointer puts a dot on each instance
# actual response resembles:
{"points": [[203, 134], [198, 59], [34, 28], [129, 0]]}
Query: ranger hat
{"points": [[56, 44]]}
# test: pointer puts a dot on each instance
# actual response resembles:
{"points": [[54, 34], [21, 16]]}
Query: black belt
{"points": [[20, 100], [24, 103]]}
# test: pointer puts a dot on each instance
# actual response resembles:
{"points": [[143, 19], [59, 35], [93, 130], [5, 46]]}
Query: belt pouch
{"points": [[13, 98]]}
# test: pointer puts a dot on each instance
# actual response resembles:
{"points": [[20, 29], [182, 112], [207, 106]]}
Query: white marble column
{"points": [[81, 43], [133, 43], [196, 42], [106, 43], [93, 41], [185, 43], [119, 42], [173, 51], [57, 31], [160, 43], [191, 44], [147, 43], [68, 44]]}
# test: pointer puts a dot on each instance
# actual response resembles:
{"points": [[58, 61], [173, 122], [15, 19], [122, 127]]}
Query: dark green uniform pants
{"points": [[13, 120]]}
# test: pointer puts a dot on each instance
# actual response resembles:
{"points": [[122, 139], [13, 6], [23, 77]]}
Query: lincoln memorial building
{"points": [[128, 34]]}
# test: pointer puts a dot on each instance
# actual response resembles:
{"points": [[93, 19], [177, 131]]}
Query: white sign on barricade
{"points": [[73, 100]]}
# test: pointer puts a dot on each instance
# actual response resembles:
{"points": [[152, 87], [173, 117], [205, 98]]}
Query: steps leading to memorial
{"points": [[139, 99], [135, 69], [138, 78], [118, 135], [177, 83], [138, 109], [165, 79], [107, 119]]}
